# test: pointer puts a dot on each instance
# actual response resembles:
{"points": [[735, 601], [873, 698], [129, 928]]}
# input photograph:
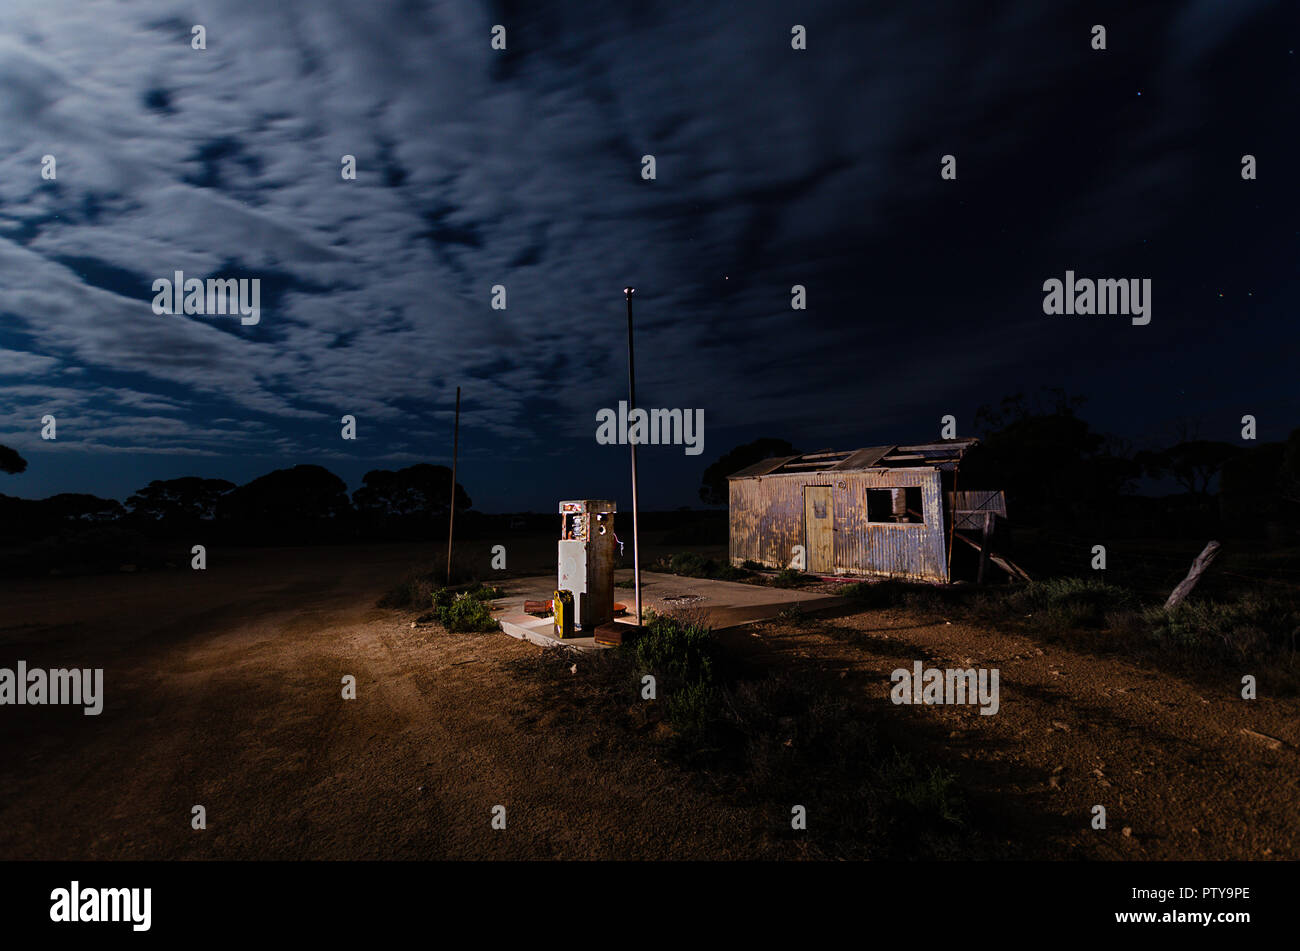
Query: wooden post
{"points": [[952, 515], [455, 451], [986, 538], [1199, 567]]}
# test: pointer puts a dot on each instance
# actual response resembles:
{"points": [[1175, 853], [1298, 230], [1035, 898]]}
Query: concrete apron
{"points": [[723, 604]]}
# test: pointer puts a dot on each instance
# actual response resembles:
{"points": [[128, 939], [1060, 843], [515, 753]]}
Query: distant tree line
{"points": [[288, 506]]}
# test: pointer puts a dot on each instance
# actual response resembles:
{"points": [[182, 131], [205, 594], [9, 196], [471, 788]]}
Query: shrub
{"points": [[789, 578], [467, 613], [731, 573], [464, 611], [692, 565], [676, 648], [930, 793], [693, 712], [1062, 604], [680, 651], [1251, 625]]}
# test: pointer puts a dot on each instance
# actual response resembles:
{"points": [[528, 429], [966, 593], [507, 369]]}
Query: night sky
{"points": [[522, 167]]}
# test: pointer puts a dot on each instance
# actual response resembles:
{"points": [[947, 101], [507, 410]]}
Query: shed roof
{"points": [[939, 455]]}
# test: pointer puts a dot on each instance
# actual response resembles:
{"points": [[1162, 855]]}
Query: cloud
{"points": [[23, 363], [477, 168]]}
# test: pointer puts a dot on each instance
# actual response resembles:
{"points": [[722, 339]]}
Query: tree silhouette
{"points": [[11, 462], [300, 494], [1049, 462], [713, 485], [79, 507], [186, 498], [1192, 464], [419, 491]]}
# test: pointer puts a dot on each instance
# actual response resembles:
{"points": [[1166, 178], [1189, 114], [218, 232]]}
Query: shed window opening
{"points": [[902, 506]]}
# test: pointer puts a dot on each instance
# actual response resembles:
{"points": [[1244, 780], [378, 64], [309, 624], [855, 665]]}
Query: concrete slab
{"points": [[542, 631], [722, 603]]}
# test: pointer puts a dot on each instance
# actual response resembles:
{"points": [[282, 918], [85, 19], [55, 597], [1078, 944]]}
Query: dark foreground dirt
{"points": [[223, 689], [1163, 752]]}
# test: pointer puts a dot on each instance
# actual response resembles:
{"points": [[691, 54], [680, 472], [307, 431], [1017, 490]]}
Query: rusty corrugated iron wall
{"points": [[767, 521]]}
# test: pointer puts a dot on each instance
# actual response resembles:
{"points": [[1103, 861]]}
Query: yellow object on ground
{"points": [[563, 614]]}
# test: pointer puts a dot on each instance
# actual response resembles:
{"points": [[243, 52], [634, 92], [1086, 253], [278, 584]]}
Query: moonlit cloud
{"points": [[478, 168]]}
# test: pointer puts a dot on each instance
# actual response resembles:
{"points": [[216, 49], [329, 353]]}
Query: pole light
{"points": [[631, 405]]}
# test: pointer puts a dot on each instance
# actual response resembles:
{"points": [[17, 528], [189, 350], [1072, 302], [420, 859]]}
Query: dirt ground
{"points": [[223, 689], [1165, 755]]}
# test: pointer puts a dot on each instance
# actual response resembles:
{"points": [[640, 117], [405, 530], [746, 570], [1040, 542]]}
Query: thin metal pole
{"points": [[631, 405], [455, 451]]}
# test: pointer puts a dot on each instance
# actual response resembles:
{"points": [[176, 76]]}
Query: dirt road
{"points": [[223, 689]]}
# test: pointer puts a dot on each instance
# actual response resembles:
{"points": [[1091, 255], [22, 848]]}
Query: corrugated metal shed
{"points": [[880, 510]]}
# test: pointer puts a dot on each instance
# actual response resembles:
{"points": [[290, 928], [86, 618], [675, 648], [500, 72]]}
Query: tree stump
{"points": [[1199, 567]]}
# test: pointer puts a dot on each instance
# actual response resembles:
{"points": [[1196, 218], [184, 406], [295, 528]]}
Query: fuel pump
{"points": [[586, 560]]}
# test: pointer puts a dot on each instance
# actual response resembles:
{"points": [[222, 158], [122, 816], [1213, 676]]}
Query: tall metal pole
{"points": [[631, 405], [455, 451]]}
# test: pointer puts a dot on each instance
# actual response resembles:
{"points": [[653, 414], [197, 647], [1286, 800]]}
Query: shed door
{"points": [[819, 523]]}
